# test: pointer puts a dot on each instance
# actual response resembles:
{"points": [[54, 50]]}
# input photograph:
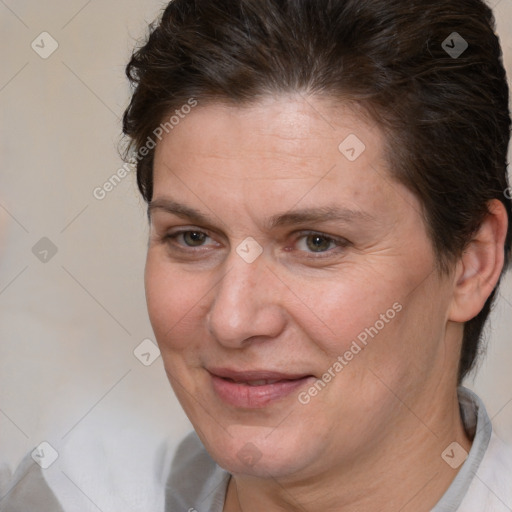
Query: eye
{"points": [[318, 243], [189, 238], [194, 238]]}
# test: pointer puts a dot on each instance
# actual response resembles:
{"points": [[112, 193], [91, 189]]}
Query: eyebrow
{"points": [[290, 218], [317, 215], [178, 209]]}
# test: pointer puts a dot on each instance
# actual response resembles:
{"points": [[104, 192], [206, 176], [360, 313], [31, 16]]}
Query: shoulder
{"points": [[496, 469], [491, 487], [195, 480], [27, 490]]}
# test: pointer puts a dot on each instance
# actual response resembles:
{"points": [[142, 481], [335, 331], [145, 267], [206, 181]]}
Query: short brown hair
{"points": [[446, 116]]}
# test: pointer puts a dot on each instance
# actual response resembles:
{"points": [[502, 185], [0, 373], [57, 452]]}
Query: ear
{"points": [[480, 265]]}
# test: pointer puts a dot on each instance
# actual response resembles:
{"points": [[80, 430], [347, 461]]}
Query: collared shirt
{"points": [[484, 481], [195, 483]]}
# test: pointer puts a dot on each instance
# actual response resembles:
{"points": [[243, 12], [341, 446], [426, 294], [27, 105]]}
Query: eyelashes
{"points": [[312, 244], [319, 243]]}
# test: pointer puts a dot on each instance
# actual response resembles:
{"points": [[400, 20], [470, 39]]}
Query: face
{"points": [[290, 283]]}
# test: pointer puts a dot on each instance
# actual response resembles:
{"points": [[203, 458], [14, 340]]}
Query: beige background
{"points": [[69, 326]]}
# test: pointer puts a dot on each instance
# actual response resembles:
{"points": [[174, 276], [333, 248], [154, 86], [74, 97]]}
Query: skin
{"points": [[372, 438]]}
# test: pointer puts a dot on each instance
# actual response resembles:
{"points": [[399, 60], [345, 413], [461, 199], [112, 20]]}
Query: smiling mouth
{"points": [[255, 375], [255, 389], [257, 382]]}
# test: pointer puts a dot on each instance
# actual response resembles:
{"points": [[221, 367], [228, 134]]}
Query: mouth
{"points": [[255, 389]]}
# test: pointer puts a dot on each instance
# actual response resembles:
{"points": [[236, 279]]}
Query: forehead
{"points": [[279, 152], [280, 136]]}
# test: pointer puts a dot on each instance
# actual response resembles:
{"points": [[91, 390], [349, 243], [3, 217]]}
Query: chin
{"points": [[259, 452]]}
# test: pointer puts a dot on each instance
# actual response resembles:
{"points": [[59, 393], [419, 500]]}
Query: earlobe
{"points": [[479, 268]]}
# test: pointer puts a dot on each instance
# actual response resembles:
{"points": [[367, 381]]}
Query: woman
{"points": [[329, 222], [326, 188]]}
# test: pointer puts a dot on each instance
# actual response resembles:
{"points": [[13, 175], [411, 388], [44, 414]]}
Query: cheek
{"points": [[391, 331], [350, 307], [174, 304]]}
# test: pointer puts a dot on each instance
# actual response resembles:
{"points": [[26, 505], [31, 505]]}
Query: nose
{"points": [[246, 305]]}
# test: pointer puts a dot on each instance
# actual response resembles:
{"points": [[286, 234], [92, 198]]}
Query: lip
{"points": [[232, 387]]}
